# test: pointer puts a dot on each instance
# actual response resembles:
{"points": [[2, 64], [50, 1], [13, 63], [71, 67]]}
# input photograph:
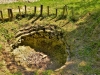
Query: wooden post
{"points": [[34, 10], [47, 10], [41, 10], [25, 10], [10, 14], [1, 16], [66, 10], [19, 10], [65, 13], [56, 11], [72, 12]]}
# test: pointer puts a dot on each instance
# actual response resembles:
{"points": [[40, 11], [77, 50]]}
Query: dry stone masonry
{"points": [[38, 31]]}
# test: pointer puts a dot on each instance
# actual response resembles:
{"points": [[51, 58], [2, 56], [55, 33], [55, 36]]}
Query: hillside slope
{"points": [[82, 35]]}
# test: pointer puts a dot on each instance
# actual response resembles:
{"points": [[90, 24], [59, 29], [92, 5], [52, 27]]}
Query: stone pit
{"points": [[40, 47]]}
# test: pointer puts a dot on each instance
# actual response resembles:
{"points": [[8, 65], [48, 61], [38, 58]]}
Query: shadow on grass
{"points": [[61, 17], [41, 17], [85, 45], [5, 20], [36, 19]]}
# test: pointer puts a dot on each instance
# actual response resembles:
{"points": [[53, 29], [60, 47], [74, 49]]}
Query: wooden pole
{"points": [[41, 10], [34, 10], [65, 13], [25, 10], [1, 16], [48, 10], [66, 9], [72, 12], [56, 11], [19, 10], [10, 14]]}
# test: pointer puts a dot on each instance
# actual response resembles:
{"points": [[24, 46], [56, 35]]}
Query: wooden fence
{"points": [[11, 16]]}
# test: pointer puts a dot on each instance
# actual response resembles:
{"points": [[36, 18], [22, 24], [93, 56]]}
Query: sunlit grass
{"points": [[79, 7]]}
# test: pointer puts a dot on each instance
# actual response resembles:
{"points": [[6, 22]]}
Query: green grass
{"points": [[17, 73], [89, 69], [47, 72], [79, 7]]}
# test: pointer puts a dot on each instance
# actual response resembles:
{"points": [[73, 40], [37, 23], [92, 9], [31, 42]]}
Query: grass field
{"points": [[82, 28]]}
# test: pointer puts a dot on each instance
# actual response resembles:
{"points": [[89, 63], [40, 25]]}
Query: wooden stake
{"points": [[72, 12], [25, 10], [1, 16], [19, 10], [47, 10], [10, 14], [56, 12], [41, 10], [65, 10], [34, 10]]}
